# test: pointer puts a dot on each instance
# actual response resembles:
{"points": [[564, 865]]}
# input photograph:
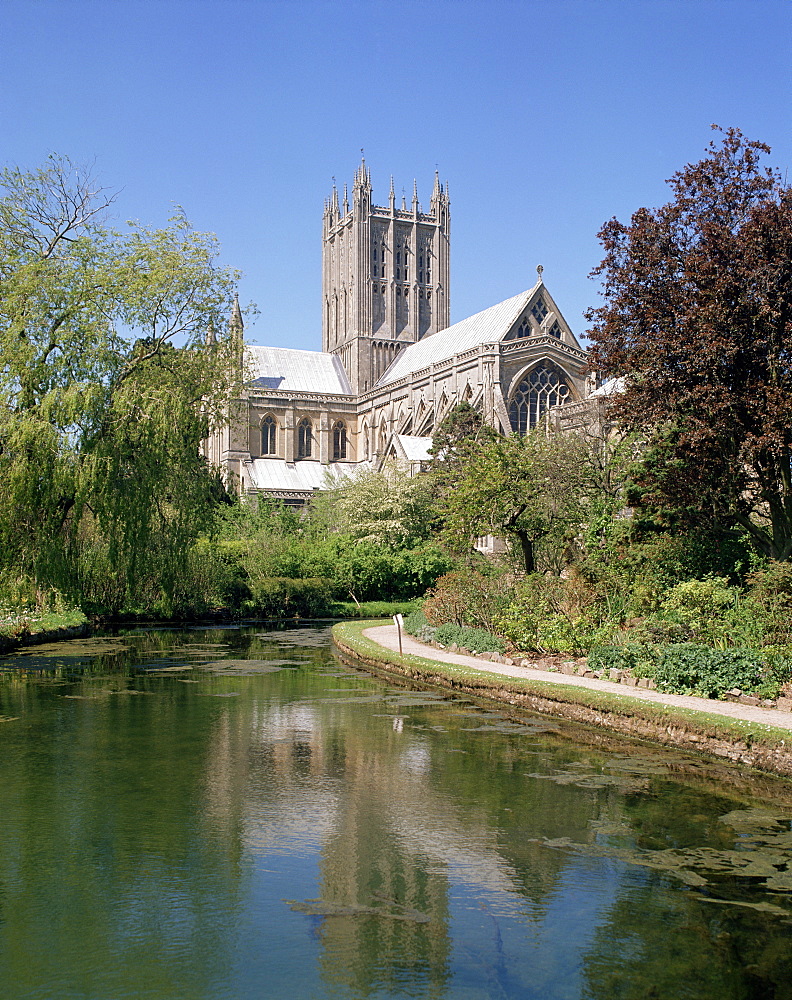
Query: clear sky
{"points": [[545, 117]]}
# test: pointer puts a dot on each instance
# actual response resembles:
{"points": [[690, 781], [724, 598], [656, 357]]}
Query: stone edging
{"points": [[683, 736]]}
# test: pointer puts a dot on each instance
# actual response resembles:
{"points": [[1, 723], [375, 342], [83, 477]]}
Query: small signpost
{"points": [[399, 621]]}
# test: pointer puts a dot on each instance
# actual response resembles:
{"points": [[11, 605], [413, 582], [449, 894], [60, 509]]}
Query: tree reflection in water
{"points": [[235, 814]]}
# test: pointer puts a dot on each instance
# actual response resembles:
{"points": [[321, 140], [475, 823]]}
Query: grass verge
{"points": [[18, 626]]}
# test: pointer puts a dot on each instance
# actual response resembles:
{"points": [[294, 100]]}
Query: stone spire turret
{"points": [[437, 192], [236, 327], [361, 190]]}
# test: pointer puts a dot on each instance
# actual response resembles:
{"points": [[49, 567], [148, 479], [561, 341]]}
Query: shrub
{"points": [[281, 597], [637, 572], [559, 634], [477, 640], [694, 600], [415, 624], [467, 598], [518, 625], [546, 632], [691, 668], [372, 609], [779, 665], [772, 585], [709, 612], [448, 633], [640, 660]]}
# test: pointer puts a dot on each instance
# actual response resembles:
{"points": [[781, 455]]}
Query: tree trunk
{"points": [[527, 546]]}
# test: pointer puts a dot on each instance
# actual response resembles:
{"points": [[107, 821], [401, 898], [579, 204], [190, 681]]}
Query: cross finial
{"points": [[539, 270]]}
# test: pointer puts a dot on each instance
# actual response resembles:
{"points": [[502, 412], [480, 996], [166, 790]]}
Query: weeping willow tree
{"points": [[107, 385]]}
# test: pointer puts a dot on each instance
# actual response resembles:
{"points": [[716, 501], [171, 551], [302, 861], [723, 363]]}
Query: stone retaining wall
{"points": [[773, 760]]}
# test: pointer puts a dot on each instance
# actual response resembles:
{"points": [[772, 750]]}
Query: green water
{"points": [[235, 814]]}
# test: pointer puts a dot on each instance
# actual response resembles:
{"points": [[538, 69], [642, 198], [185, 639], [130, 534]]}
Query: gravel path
{"points": [[387, 636]]}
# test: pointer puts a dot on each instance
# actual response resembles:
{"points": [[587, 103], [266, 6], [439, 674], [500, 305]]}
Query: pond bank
{"points": [[750, 736], [10, 643]]}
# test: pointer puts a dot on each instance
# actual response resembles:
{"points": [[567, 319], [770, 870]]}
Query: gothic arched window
{"points": [[539, 389], [268, 436], [339, 440], [519, 332], [304, 437]]}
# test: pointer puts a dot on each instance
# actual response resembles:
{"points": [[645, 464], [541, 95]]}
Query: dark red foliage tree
{"points": [[697, 320]]}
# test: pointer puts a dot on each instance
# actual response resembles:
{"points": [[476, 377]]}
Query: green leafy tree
{"points": [[101, 413], [386, 507], [697, 320], [523, 488], [458, 435]]}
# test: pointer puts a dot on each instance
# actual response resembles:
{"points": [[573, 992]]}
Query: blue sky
{"points": [[546, 117]]}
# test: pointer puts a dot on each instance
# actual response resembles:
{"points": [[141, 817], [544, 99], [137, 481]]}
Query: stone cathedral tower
{"points": [[385, 276]]}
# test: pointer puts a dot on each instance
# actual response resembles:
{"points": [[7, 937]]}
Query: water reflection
{"points": [[235, 814]]}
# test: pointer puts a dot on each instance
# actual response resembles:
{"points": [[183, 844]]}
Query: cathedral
{"points": [[391, 367]]}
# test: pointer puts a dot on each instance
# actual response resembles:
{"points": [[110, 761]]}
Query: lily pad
{"points": [[74, 649], [761, 907], [753, 820], [244, 667]]}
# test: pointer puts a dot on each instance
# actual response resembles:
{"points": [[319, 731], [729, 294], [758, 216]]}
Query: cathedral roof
{"points": [[296, 371], [613, 387], [278, 476], [487, 327], [415, 449]]}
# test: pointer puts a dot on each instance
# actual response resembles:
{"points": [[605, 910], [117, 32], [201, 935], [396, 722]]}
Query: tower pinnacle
{"points": [[236, 322]]}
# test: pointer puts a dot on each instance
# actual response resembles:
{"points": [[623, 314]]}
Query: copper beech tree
{"points": [[697, 321]]}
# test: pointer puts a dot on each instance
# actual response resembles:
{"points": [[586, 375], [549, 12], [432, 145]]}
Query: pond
{"points": [[234, 813]]}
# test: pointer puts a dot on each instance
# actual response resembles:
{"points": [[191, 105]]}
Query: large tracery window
{"points": [[304, 437], [541, 388], [268, 436], [339, 440]]}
